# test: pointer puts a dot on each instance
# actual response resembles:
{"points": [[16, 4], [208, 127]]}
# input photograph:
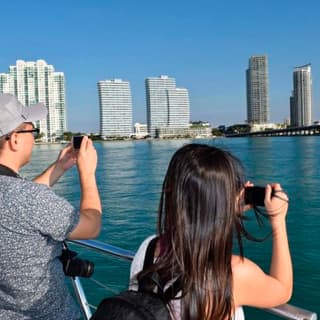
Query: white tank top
{"points": [[137, 266]]}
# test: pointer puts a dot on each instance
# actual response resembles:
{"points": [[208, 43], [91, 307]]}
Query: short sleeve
{"points": [[52, 215]]}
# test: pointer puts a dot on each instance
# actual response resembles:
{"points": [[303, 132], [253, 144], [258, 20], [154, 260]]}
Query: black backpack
{"points": [[132, 305], [142, 304]]}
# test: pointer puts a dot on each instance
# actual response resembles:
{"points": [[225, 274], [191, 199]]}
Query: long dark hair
{"points": [[199, 216]]}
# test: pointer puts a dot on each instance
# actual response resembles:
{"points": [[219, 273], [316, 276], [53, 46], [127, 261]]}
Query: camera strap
{"points": [[66, 253]]}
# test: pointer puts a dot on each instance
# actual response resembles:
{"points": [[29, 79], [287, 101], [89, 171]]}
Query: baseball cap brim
{"points": [[13, 113], [35, 112]]}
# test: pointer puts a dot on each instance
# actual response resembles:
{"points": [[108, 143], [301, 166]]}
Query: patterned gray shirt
{"points": [[33, 223]]}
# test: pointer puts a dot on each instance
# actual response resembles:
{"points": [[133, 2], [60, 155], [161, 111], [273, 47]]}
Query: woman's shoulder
{"points": [[251, 285], [243, 266], [244, 271]]}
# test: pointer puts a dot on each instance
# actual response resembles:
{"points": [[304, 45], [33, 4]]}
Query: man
{"points": [[34, 220]]}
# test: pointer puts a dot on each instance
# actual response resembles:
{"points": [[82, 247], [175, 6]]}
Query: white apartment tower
{"points": [[301, 99], [32, 82], [115, 108], [167, 106], [257, 77]]}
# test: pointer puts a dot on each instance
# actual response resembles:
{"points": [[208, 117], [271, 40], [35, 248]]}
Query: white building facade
{"points": [[140, 130], [257, 76], [36, 81], [301, 99], [167, 106], [115, 104]]}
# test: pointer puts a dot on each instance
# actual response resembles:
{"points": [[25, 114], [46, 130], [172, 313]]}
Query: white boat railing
{"points": [[286, 311]]}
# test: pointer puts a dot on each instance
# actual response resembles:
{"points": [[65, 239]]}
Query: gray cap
{"points": [[13, 113]]}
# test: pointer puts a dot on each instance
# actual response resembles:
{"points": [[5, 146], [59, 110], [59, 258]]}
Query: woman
{"points": [[200, 215]]}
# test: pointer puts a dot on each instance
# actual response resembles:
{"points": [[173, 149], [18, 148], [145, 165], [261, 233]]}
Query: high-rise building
{"points": [[32, 82], [301, 99], [115, 108], [258, 90], [167, 106]]}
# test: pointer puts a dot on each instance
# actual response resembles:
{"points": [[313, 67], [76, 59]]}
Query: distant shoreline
{"points": [[125, 140]]}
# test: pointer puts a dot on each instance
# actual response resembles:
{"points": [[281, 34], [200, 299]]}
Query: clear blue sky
{"points": [[205, 45]]}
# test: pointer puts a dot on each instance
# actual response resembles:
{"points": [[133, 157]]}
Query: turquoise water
{"points": [[130, 175]]}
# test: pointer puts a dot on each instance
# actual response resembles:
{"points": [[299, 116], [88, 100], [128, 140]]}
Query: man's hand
{"points": [[67, 158]]}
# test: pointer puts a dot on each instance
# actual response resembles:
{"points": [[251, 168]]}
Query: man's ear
{"points": [[13, 141]]}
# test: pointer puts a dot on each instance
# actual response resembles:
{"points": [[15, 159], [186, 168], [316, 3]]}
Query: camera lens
{"points": [[75, 267], [79, 268]]}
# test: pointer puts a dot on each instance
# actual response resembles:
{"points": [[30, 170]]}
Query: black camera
{"points": [[76, 141], [75, 267], [254, 195]]}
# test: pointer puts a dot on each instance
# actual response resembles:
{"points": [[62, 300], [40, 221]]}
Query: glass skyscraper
{"points": [[32, 82], [168, 107], [258, 90], [301, 99], [115, 108]]}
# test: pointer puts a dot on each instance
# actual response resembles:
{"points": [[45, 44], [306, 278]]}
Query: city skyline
{"points": [[36, 81], [204, 45]]}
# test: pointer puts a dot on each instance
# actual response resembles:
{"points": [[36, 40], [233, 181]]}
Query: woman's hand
{"points": [[276, 203], [246, 207]]}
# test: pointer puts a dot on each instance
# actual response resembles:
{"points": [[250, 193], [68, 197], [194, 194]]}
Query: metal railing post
{"points": [[289, 311], [81, 297]]}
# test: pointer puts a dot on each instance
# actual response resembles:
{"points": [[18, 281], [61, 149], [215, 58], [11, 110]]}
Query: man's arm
{"points": [[90, 206], [65, 161]]}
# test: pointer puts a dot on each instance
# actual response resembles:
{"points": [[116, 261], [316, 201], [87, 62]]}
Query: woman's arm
{"points": [[252, 286]]}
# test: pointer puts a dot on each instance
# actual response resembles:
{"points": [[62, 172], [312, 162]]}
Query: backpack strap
{"points": [[173, 289], [149, 256], [152, 279]]}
